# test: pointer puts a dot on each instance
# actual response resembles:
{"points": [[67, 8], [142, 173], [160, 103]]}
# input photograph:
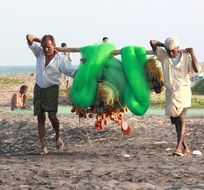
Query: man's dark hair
{"points": [[63, 44], [23, 87], [48, 37], [105, 38]]}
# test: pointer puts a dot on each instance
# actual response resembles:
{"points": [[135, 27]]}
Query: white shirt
{"points": [[176, 81], [51, 74]]}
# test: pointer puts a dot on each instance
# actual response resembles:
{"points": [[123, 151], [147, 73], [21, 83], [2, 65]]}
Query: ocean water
{"points": [[13, 70]]}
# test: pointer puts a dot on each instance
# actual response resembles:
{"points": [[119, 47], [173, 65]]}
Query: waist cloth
{"points": [[45, 99]]}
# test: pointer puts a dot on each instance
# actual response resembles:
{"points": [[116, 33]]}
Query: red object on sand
{"points": [[124, 125], [103, 123], [127, 131], [100, 124]]}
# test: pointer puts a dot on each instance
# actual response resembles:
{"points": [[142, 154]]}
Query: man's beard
{"points": [[48, 53]]}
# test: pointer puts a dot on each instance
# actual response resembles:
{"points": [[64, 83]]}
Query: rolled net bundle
{"points": [[84, 88], [113, 82], [153, 70]]}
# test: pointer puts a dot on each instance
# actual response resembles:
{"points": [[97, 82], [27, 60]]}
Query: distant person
{"points": [[105, 39], [18, 99], [68, 55], [69, 81], [49, 66], [176, 66]]}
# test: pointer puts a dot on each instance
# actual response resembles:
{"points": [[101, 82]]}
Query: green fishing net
{"points": [[122, 82]]}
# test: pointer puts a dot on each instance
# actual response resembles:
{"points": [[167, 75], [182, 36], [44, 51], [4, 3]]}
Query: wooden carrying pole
{"points": [[75, 50], [148, 52], [115, 52]]}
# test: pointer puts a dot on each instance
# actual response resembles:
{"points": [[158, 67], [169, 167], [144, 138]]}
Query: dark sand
{"points": [[99, 160], [96, 160]]}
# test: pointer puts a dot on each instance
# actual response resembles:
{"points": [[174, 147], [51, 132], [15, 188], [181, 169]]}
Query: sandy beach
{"points": [[96, 160]]}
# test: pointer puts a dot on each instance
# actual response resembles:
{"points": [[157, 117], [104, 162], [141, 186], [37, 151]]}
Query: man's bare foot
{"points": [[45, 150], [178, 153], [60, 144], [44, 146], [186, 152]]}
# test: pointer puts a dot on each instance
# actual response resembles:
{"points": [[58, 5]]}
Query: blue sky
{"points": [[81, 23]]}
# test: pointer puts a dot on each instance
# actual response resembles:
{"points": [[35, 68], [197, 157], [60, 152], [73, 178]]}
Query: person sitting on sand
{"points": [[18, 99], [176, 65]]}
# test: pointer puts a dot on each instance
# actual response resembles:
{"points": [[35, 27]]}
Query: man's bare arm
{"points": [[195, 63], [32, 38], [154, 44]]}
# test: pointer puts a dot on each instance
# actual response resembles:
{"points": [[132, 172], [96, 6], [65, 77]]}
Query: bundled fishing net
{"points": [[153, 70], [107, 94], [113, 82], [108, 87], [83, 91]]}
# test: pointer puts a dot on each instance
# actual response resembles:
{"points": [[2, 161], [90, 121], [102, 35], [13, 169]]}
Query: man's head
{"points": [[48, 45], [172, 46], [63, 44], [105, 39], [23, 89]]}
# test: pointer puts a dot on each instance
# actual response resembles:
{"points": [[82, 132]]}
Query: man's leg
{"points": [[185, 146], [42, 132], [186, 149], [181, 135], [55, 124], [174, 120]]}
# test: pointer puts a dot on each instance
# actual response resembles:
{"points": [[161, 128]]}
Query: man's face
{"points": [[48, 47], [173, 53]]}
